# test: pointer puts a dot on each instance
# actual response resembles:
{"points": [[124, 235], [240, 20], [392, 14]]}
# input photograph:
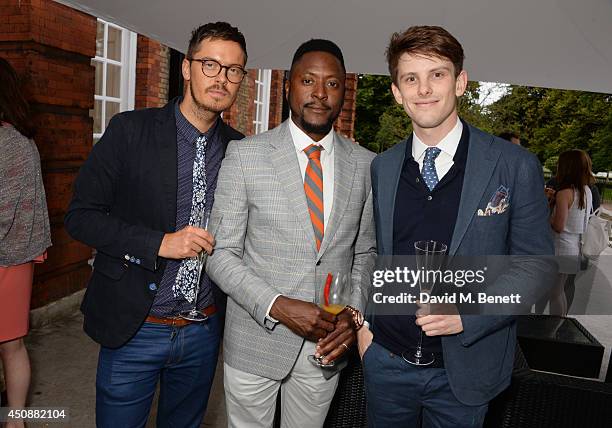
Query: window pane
{"points": [[113, 49], [96, 114], [99, 67], [100, 39], [113, 80], [111, 110]]}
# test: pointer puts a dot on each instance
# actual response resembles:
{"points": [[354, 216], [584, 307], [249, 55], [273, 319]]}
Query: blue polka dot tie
{"points": [[429, 167]]}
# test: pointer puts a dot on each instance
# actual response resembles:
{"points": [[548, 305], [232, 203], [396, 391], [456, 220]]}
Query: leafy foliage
{"points": [[551, 121], [548, 121]]}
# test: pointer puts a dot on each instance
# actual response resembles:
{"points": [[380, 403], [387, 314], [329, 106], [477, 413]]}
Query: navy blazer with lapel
{"points": [[124, 202], [479, 360]]}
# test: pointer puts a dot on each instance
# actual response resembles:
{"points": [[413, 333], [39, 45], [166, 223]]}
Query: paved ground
{"points": [[64, 363], [64, 358]]}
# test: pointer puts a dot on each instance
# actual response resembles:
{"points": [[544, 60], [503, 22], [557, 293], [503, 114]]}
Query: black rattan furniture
{"points": [[559, 345], [533, 400], [540, 400], [348, 409]]}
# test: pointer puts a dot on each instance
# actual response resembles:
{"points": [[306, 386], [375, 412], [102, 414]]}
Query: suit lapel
{"points": [[481, 160], [388, 181], [165, 139], [223, 134], [285, 162], [344, 171]]}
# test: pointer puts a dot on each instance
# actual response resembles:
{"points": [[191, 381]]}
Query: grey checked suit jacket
{"points": [[266, 245]]}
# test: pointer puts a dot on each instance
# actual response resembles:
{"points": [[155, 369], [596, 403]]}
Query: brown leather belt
{"points": [[180, 322]]}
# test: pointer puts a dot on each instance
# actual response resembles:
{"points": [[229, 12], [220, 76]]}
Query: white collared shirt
{"points": [[448, 146], [301, 141]]}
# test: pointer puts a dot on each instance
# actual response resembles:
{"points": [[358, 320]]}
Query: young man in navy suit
{"points": [[474, 192]]}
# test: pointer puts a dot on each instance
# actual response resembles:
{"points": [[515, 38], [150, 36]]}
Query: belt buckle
{"points": [[176, 321]]}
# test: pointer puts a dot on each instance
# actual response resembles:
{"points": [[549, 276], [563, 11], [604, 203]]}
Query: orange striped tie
{"points": [[313, 186]]}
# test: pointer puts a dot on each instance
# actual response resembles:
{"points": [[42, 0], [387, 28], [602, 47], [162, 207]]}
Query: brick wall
{"points": [[240, 114], [152, 72], [276, 98], [50, 46], [345, 124]]}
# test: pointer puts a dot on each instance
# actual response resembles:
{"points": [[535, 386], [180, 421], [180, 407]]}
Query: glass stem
{"points": [[418, 352], [197, 289]]}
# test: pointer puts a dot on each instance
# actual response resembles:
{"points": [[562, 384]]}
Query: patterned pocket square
{"points": [[498, 204]]}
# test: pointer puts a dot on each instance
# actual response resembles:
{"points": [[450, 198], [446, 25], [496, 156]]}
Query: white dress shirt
{"points": [[448, 146], [301, 141]]}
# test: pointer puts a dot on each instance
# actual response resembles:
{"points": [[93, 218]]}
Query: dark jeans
{"points": [[182, 359], [401, 395]]}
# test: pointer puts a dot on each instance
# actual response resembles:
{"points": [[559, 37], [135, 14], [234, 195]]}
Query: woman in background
{"points": [[572, 206], [24, 233]]}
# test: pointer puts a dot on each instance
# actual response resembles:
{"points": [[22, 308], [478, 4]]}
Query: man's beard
{"points": [[319, 129], [206, 108]]}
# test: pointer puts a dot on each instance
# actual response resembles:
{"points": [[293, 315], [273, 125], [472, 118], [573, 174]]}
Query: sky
{"points": [[491, 92]]}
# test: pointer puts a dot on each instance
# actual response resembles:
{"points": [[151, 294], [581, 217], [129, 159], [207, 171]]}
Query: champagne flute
{"points": [[336, 293], [429, 258], [194, 314]]}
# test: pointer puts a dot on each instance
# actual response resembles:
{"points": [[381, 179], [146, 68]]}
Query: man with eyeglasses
{"points": [[140, 200]]}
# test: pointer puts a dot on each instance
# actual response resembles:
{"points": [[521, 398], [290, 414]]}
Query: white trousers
{"points": [[305, 396]]}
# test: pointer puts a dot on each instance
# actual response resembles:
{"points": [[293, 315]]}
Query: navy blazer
{"points": [[124, 202], [479, 360]]}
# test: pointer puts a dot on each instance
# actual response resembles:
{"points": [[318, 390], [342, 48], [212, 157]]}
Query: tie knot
{"points": [[431, 154], [313, 151], [201, 140]]}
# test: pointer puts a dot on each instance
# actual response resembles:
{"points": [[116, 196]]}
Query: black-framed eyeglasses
{"points": [[211, 68]]}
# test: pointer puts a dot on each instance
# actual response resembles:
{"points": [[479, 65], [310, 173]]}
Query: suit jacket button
{"points": [[429, 198], [152, 286], [318, 262], [417, 180]]}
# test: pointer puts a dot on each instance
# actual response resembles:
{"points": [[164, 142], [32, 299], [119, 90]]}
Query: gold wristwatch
{"points": [[357, 316]]}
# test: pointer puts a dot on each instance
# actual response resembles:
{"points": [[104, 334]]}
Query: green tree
{"points": [[471, 109], [551, 121], [381, 122], [373, 98], [395, 125]]}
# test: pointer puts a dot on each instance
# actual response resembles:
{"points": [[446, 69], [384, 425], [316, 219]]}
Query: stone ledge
{"points": [[59, 309]]}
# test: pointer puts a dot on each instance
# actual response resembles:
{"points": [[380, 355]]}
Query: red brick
{"points": [[60, 90], [151, 73]]}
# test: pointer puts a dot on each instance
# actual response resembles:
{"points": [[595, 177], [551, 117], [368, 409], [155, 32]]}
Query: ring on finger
{"points": [[344, 344]]}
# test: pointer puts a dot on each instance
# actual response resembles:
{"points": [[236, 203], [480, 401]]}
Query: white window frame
{"points": [[262, 100], [127, 90]]}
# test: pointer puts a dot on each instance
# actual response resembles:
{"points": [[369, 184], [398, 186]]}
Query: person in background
{"points": [[24, 233], [550, 190], [510, 136], [571, 206]]}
